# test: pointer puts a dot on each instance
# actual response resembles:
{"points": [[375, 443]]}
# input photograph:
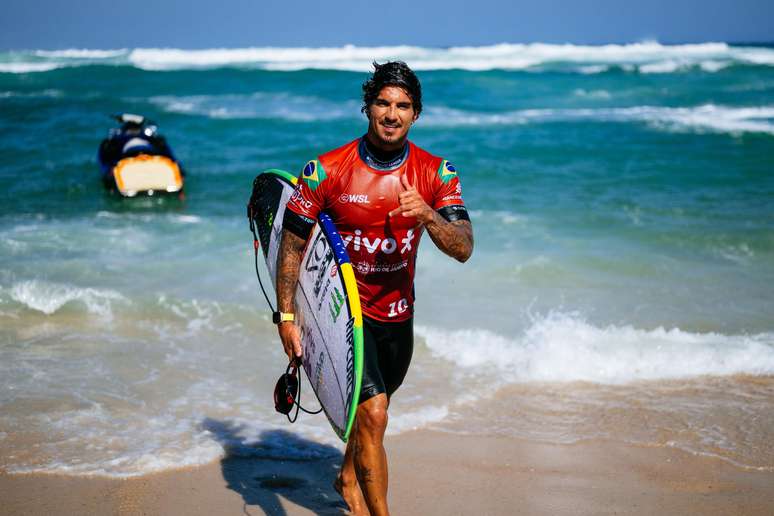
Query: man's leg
{"points": [[370, 459], [346, 483], [363, 478]]}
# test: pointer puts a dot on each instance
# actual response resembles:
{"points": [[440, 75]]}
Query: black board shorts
{"points": [[387, 350]]}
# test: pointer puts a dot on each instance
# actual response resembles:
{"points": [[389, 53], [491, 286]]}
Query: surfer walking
{"points": [[382, 192]]}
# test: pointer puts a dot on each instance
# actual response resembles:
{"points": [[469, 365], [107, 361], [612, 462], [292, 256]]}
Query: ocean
{"points": [[622, 199]]}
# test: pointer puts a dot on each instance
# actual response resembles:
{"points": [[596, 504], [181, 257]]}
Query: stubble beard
{"points": [[383, 140]]}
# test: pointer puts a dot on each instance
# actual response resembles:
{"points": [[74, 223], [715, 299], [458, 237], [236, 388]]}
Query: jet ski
{"points": [[135, 159]]}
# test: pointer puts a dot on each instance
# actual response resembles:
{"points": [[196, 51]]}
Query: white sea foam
{"points": [[29, 67], [648, 57], [502, 56], [13, 246], [80, 53], [259, 105], [106, 441], [593, 69], [413, 420], [592, 94], [49, 93], [187, 219], [704, 118], [669, 66], [272, 58], [175, 218], [115, 450], [708, 117], [677, 65], [561, 348], [198, 315], [740, 254], [756, 55], [713, 66], [103, 443], [509, 217], [50, 297]]}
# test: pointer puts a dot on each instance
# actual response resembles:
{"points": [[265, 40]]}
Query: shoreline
{"points": [[430, 473]]}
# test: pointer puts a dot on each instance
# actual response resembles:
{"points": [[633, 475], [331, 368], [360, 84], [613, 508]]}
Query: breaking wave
{"points": [[563, 348], [645, 57], [49, 298], [707, 117]]}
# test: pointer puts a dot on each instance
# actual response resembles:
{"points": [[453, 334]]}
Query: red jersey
{"points": [[358, 198]]}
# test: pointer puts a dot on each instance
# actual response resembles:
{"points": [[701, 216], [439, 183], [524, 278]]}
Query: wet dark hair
{"points": [[392, 73]]}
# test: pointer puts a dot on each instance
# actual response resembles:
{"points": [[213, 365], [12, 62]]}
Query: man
{"points": [[381, 191]]}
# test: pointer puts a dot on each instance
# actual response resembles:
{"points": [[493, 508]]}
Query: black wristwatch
{"points": [[281, 317]]}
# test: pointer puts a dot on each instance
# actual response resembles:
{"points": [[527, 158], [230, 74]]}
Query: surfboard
{"points": [[326, 298]]}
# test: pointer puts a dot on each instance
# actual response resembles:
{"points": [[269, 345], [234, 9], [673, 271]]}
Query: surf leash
{"points": [[287, 392], [256, 246]]}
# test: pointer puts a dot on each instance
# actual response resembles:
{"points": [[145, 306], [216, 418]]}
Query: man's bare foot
{"points": [[352, 495]]}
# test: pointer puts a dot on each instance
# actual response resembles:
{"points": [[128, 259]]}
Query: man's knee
{"points": [[372, 415]]}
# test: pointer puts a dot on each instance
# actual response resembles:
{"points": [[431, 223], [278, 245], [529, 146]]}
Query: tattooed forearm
{"points": [[289, 260], [453, 238]]}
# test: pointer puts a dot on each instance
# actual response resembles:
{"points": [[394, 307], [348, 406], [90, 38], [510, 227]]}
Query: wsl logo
{"points": [[354, 198]]}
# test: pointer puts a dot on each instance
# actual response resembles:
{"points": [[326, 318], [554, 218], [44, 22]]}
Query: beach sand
{"points": [[430, 473]]}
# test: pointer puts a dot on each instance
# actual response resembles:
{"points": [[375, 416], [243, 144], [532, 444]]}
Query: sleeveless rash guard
{"points": [[358, 198]]}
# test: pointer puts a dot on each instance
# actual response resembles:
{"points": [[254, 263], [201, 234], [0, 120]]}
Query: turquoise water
{"points": [[622, 204]]}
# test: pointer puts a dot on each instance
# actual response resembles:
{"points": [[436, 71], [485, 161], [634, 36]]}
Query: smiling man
{"points": [[382, 192]]}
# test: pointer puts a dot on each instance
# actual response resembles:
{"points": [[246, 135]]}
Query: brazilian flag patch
{"points": [[446, 171], [313, 174]]}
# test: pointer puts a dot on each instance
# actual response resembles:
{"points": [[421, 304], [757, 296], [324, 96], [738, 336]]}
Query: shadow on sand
{"points": [[278, 465]]}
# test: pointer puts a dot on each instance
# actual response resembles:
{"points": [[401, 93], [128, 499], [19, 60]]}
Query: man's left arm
{"points": [[454, 238]]}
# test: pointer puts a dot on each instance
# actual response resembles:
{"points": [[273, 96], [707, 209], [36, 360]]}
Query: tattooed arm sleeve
{"points": [[290, 252], [453, 238]]}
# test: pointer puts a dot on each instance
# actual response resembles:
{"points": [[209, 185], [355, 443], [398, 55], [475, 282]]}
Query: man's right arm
{"points": [[291, 250], [299, 219]]}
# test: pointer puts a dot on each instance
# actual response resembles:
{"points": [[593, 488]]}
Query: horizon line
{"points": [[769, 43]]}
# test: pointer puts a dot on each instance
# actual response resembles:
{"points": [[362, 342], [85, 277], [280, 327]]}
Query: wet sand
{"points": [[431, 473]]}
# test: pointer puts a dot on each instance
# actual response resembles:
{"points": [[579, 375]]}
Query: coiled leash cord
{"points": [[287, 393], [256, 246]]}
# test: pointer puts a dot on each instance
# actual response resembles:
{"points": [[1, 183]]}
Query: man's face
{"points": [[390, 117]]}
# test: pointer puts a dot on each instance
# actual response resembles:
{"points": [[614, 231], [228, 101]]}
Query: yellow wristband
{"points": [[281, 317]]}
